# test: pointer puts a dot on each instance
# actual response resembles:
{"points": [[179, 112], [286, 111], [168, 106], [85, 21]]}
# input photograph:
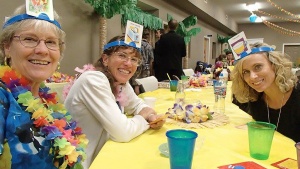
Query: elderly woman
{"points": [[35, 131], [98, 99], [264, 80]]}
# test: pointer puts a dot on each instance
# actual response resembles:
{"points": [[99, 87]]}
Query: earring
{"points": [[6, 61], [58, 66]]}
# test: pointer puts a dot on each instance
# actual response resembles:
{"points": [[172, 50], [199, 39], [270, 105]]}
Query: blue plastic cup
{"points": [[181, 145], [173, 85]]}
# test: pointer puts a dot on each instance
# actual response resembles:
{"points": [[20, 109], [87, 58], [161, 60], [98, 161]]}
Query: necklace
{"points": [[50, 118], [279, 111]]}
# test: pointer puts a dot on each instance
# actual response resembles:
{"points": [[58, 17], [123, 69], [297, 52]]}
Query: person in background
{"points": [[36, 132], [158, 34], [146, 67], [230, 58], [100, 99], [171, 50], [264, 80]]}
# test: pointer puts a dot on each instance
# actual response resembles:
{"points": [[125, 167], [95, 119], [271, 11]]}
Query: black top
{"points": [[289, 122], [171, 50]]}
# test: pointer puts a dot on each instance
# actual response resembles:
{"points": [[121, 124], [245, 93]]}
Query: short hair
{"points": [[173, 24], [285, 79], [8, 32], [162, 31], [228, 52]]}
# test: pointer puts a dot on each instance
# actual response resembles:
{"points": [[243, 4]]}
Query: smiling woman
{"points": [[264, 80], [35, 130], [100, 99]]}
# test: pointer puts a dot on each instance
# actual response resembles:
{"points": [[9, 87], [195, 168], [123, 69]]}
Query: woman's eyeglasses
{"points": [[123, 56], [31, 41]]}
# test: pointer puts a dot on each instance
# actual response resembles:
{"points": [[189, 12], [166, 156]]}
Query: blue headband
{"points": [[256, 50], [120, 43], [21, 17]]}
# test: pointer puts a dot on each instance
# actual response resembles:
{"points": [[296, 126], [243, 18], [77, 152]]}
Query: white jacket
{"points": [[93, 105]]}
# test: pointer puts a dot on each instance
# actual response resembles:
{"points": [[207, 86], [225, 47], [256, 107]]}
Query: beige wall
{"points": [[272, 37]]}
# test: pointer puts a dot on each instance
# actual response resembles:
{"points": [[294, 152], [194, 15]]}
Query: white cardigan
{"points": [[93, 105]]}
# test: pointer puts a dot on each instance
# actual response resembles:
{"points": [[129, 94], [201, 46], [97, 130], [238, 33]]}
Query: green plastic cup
{"points": [[173, 85], [181, 145], [260, 136]]}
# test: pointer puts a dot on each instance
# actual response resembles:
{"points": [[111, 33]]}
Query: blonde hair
{"points": [[8, 32], [285, 79]]}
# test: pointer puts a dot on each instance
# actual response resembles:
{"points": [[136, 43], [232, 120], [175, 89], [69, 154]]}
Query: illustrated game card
{"points": [[287, 163], [246, 165]]}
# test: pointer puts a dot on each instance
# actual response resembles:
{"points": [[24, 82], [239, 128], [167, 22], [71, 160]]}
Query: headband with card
{"points": [[133, 36], [241, 48], [35, 9]]}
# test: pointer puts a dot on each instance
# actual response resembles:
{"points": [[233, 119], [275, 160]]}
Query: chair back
{"points": [[188, 72], [149, 83]]}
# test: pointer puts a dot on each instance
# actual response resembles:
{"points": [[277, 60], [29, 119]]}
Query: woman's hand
{"points": [[157, 121]]}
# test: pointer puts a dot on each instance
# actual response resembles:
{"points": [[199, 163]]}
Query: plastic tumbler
{"points": [[181, 145], [297, 145], [260, 136], [220, 88], [173, 85]]}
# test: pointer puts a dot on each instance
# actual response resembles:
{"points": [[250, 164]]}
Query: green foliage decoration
{"points": [[138, 16], [222, 39], [183, 26]]}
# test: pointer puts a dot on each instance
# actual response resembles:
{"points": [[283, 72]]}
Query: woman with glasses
{"points": [[36, 131], [101, 99]]}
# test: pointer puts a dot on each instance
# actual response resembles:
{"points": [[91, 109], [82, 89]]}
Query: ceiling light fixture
{"points": [[251, 7]]}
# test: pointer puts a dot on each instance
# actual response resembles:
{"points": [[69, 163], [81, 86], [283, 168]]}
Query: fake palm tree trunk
{"points": [[102, 34], [185, 63]]}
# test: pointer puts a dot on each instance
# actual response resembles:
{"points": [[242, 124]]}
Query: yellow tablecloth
{"points": [[222, 145]]}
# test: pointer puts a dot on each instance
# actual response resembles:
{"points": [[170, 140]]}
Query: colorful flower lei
{"points": [[50, 118]]}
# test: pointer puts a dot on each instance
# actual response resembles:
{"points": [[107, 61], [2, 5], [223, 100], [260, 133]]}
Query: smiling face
{"points": [[121, 69], [258, 72], [36, 63]]}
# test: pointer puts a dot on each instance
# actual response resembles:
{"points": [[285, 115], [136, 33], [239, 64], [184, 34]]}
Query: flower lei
{"points": [[50, 118]]}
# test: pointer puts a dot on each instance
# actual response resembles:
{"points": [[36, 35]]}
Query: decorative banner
{"points": [[278, 17], [134, 33], [283, 10], [36, 7], [238, 45]]}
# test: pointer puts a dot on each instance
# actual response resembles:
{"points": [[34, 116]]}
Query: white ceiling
{"points": [[236, 9]]}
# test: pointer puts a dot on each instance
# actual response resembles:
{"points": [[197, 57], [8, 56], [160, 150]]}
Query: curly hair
{"points": [[285, 79], [99, 63]]}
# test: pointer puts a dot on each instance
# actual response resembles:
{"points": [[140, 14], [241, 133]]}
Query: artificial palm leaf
{"points": [[222, 39], [147, 20], [109, 8], [169, 17], [193, 31], [190, 21]]}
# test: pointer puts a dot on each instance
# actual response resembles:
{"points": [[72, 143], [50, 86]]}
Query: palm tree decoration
{"points": [[223, 40], [186, 34], [145, 19], [129, 11]]}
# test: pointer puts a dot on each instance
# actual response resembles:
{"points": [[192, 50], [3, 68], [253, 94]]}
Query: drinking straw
{"points": [[169, 78]]}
